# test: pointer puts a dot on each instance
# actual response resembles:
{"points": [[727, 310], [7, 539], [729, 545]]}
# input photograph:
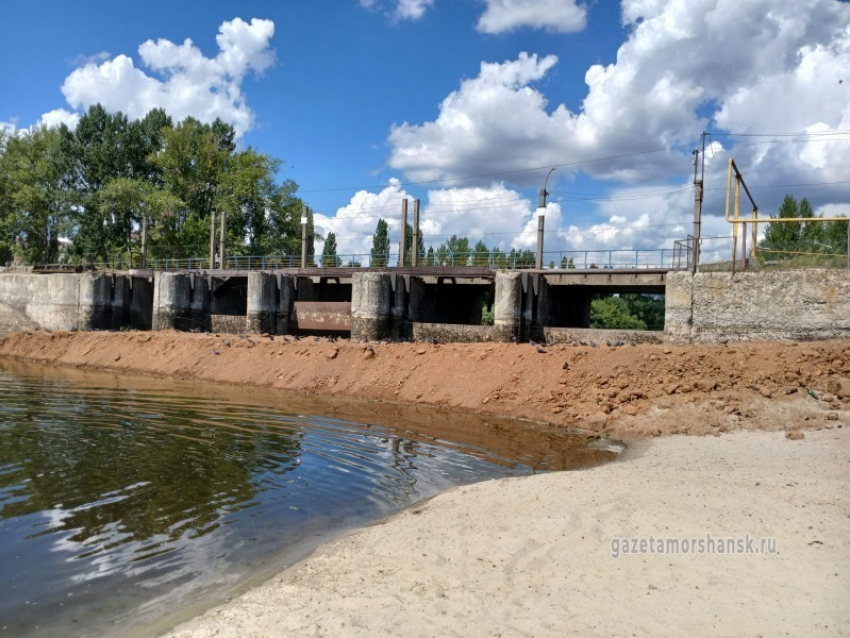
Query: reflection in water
{"points": [[125, 499]]}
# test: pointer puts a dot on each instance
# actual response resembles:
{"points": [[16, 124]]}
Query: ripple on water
{"points": [[121, 502]]}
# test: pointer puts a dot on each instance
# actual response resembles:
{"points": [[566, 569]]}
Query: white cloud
{"points": [[399, 9], [9, 127], [183, 81], [354, 224], [562, 16], [57, 117], [97, 58], [412, 9], [682, 60]]}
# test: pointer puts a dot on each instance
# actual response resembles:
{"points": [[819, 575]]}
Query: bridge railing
{"points": [[674, 258], [664, 258]]}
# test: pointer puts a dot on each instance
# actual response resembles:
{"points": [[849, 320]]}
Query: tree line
{"points": [[82, 194], [790, 240]]}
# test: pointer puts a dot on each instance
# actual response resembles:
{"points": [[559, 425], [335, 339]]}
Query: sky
{"points": [[467, 105]]}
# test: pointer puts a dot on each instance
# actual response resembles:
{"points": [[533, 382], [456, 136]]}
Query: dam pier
{"points": [[433, 303]]}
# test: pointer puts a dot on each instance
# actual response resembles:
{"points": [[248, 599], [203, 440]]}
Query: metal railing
{"points": [[663, 258], [676, 258]]}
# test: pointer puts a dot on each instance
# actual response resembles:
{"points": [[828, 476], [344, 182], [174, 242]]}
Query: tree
{"points": [[5, 202], [420, 245], [458, 249], [36, 168], [380, 253], [648, 308], [784, 236], [613, 313], [329, 256], [95, 184], [480, 254]]}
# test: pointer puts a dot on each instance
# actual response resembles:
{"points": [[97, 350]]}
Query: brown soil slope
{"points": [[630, 391]]}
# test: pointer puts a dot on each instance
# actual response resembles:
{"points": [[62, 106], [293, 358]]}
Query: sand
{"points": [[625, 392], [533, 556]]}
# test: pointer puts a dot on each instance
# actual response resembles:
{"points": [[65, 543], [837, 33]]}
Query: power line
{"points": [[814, 133]]}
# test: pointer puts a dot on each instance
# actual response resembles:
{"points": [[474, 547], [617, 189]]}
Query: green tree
{"points": [[5, 202], [648, 308], [380, 252], [420, 245], [835, 235], [480, 254], [329, 256], [36, 167], [458, 250], [612, 312], [784, 236]]}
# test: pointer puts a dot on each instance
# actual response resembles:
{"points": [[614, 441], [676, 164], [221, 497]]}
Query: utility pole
{"points": [[212, 240], [222, 255], [414, 254], [403, 245], [304, 219], [699, 176], [144, 240], [541, 220]]}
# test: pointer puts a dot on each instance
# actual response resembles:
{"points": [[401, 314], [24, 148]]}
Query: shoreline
{"points": [[626, 393], [506, 557], [533, 555]]}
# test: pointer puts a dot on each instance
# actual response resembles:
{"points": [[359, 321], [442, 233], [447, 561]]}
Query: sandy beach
{"points": [[533, 556]]}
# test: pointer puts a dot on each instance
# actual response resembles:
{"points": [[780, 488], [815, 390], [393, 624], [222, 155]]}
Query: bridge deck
{"points": [[602, 277]]}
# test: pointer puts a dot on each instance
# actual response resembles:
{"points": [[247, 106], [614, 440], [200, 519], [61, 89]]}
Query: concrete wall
{"points": [[780, 304], [228, 324], [451, 332], [588, 336], [68, 301]]}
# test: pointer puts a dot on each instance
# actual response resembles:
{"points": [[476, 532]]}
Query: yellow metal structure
{"points": [[735, 217]]}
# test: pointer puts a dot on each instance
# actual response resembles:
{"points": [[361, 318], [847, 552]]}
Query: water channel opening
{"points": [[450, 301]]}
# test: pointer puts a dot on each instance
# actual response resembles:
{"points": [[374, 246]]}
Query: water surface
{"points": [[128, 503]]}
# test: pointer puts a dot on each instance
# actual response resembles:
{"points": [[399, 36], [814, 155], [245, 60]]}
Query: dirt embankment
{"points": [[628, 392]]}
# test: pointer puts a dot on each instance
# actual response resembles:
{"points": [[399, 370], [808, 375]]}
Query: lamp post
{"points": [[541, 220]]}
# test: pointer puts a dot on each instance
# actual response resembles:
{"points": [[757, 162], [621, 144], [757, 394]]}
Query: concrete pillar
{"points": [[507, 306], [543, 313], [679, 306], [306, 291], [199, 303], [528, 284], [262, 303], [119, 301], [95, 299], [286, 297], [370, 305], [171, 299], [398, 306]]}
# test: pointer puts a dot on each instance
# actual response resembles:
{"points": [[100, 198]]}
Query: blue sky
{"points": [[369, 101]]}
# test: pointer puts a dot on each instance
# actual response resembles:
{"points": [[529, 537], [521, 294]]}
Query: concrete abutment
{"points": [[705, 307]]}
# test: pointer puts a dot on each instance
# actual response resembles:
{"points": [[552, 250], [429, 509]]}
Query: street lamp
{"points": [[541, 219]]}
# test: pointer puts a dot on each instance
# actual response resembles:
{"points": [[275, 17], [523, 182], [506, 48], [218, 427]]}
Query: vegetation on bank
{"points": [[628, 311], [92, 185], [806, 243]]}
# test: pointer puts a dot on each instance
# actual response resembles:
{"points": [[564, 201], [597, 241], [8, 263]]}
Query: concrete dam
{"points": [[443, 304]]}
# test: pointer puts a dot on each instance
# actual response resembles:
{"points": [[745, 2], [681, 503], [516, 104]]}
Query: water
{"points": [[126, 505]]}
